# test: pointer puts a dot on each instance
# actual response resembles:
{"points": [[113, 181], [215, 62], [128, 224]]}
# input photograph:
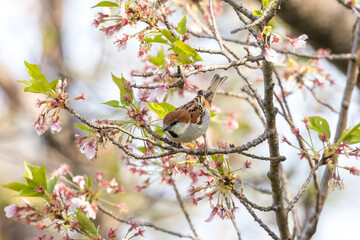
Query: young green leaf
{"points": [[88, 181], [30, 192], [160, 109], [86, 225], [265, 3], [35, 176], [126, 92], [319, 125], [51, 184], [181, 27], [37, 82], [185, 52], [106, 4], [168, 35], [53, 84], [159, 59], [257, 13], [113, 103], [15, 186], [351, 136], [83, 127], [157, 39]]}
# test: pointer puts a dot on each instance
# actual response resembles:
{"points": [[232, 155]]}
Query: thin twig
{"points": [[242, 198], [304, 186], [178, 197], [236, 228], [261, 223], [288, 197], [239, 7], [280, 158], [257, 21], [330, 57], [144, 224], [322, 102]]}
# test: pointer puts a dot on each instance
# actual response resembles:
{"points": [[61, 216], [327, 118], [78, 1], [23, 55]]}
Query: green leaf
{"points": [[319, 125], [168, 35], [34, 72], [106, 4], [37, 82], [157, 39], [53, 84], [351, 136], [51, 184], [83, 127], [15, 186], [113, 103], [185, 52], [181, 27], [141, 149], [86, 225], [160, 109], [158, 130], [265, 3], [212, 114], [35, 176], [159, 59], [257, 13], [30, 192], [88, 182], [126, 91]]}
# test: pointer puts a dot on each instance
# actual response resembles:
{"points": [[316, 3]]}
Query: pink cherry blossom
{"points": [[80, 180], [55, 126], [232, 124], [158, 94], [11, 210], [298, 43], [62, 170], [272, 56], [40, 125], [89, 149], [91, 210], [212, 214]]}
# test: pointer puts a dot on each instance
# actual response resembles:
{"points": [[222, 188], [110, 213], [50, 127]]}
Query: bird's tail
{"points": [[214, 86]]}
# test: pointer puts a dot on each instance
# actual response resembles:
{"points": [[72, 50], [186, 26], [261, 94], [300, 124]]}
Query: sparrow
{"points": [[191, 120]]}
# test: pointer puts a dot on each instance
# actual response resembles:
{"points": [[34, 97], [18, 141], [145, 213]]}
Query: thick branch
{"points": [[273, 141]]}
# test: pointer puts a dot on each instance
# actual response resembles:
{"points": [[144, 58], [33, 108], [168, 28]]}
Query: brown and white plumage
{"points": [[191, 120]]}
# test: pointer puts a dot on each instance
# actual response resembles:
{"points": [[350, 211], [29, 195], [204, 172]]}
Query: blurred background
{"points": [[58, 36]]}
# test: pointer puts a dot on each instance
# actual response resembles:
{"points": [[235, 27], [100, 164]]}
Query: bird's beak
{"points": [[165, 128]]}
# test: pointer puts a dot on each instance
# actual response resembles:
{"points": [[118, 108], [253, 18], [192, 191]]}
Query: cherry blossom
{"points": [[89, 149], [298, 43], [272, 56], [55, 126], [80, 180], [158, 94], [11, 210]]}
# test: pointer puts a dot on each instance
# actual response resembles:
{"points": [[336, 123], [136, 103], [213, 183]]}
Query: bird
{"points": [[191, 120]]}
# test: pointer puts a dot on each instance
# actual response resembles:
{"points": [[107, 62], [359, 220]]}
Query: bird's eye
{"points": [[173, 123]]}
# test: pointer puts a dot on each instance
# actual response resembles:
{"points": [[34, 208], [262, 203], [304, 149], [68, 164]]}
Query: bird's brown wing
{"points": [[196, 108]]}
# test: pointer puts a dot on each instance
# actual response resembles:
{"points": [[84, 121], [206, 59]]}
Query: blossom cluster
{"points": [[50, 113], [69, 201], [330, 152]]}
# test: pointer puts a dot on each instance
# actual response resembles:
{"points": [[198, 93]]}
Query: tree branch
{"points": [[352, 75], [144, 224], [274, 173]]}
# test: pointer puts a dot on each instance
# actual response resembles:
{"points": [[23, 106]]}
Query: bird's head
{"points": [[176, 121]]}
